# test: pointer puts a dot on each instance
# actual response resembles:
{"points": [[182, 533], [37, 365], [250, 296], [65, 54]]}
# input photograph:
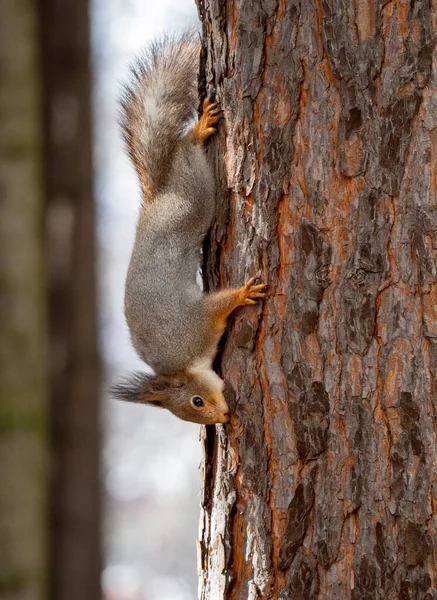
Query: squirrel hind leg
{"points": [[204, 128]]}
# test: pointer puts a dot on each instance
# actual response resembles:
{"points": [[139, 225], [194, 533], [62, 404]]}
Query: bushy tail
{"points": [[158, 104]]}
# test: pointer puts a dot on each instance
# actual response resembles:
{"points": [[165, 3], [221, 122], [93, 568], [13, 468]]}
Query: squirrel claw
{"points": [[209, 106], [211, 112], [251, 291], [210, 115]]}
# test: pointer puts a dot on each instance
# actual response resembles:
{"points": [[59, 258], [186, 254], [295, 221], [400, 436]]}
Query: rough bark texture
{"points": [[23, 393], [74, 377], [325, 484]]}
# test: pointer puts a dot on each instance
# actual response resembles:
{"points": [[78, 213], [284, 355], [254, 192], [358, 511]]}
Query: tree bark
{"points": [[324, 486], [74, 360], [23, 389]]}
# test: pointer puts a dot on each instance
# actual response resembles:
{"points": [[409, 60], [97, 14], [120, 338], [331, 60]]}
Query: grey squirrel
{"points": [[175, 327]]}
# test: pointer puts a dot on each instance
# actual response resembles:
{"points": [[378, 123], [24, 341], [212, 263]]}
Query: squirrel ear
{"points": [[148, 389], [138, 387]]}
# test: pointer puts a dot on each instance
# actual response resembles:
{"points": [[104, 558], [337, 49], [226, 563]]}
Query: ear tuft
{"points": [[132, 387], [156, 390]]}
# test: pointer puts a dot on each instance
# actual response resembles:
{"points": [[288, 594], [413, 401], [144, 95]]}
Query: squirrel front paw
{"points": [[210, 115], [222, 303], [248, 292]]}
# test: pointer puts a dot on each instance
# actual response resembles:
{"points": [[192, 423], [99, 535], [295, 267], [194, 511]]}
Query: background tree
{"points": [[23, 392], [46, 184], [325, 485], [71, 263]]}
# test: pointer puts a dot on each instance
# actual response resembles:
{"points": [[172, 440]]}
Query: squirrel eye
{"points": [[197, 401]]}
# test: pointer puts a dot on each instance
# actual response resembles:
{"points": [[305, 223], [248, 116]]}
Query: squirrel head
{"points": [[194, 396]]}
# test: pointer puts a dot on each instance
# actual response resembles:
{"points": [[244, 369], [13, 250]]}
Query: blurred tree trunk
{"points": [[325, 484], [74, 362], [23, 393]]}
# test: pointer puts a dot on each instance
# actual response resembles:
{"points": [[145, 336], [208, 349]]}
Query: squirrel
{"points": [[174, 326]]}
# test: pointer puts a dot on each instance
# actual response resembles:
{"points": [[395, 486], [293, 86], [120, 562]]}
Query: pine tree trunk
{"points": [[74, 361], [324, 486], [23, 391]]}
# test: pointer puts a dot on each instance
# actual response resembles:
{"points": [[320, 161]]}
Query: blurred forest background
{"points": [[97, 498]]}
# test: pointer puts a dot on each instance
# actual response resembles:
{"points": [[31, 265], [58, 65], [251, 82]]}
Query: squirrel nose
{"points": [[226, 417]]}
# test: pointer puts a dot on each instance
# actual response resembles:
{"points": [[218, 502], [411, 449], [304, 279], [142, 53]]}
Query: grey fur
{"points": [[164, 307]]}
